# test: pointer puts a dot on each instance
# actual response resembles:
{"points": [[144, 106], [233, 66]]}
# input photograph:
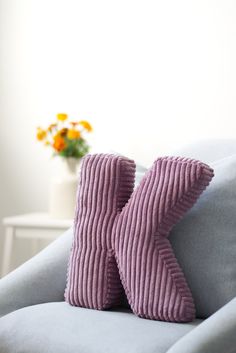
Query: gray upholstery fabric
{"points": [[208, 151], [61, 328], [214, 335], [41, 279], [204, 241], [139, 173]]}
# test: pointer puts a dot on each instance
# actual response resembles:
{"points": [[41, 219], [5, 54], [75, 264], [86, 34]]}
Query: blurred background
{"points": [[149, 75]]}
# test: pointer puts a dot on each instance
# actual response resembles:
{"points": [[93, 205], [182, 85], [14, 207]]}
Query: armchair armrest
{"points": [[39, 280], [216, 334]]}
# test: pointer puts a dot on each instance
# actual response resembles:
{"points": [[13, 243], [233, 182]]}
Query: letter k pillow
{"points": [[121, 236]]}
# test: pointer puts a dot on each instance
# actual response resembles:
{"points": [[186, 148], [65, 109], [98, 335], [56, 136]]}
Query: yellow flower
{"points": [[47, 143], [59, 143], [73, 134], [62, 116], [86, 125], [51, 127], [41, 134]]}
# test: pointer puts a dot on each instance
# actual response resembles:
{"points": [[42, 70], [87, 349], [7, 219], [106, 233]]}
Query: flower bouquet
{"points": [[66, 138]]}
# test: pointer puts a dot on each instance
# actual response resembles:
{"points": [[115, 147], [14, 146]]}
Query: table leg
{"points": [[7, 250]]}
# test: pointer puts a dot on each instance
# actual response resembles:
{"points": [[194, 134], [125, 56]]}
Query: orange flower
{"points": [[41, 134], [63, 131], [59, 143], [86, 125], [73, 134], [62, 116], [74, 123]]}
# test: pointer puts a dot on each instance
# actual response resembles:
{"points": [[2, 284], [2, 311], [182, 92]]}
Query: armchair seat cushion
{"points": [[59, 327]]}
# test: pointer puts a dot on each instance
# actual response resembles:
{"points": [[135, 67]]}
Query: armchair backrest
{"points": [[208, 150]]}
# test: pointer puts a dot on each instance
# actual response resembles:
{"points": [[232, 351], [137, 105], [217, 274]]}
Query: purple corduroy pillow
{"points": [[121, 236]]}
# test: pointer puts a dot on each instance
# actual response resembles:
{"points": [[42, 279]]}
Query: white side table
{"points": [[34, 226]]}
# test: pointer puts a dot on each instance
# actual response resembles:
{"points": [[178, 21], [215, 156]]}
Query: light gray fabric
{"points": [[204, 241], [139, 173], [61, 328], [215, 335], [41, 279], [208, 150]]}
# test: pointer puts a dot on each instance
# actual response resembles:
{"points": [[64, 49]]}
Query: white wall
{"points": [[150, 75]]}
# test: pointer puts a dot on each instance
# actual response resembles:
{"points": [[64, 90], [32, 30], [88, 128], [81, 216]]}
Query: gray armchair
{"points": [[35, 318]]}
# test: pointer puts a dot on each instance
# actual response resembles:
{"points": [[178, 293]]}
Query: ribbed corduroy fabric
{"points": [[121, 239]]}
